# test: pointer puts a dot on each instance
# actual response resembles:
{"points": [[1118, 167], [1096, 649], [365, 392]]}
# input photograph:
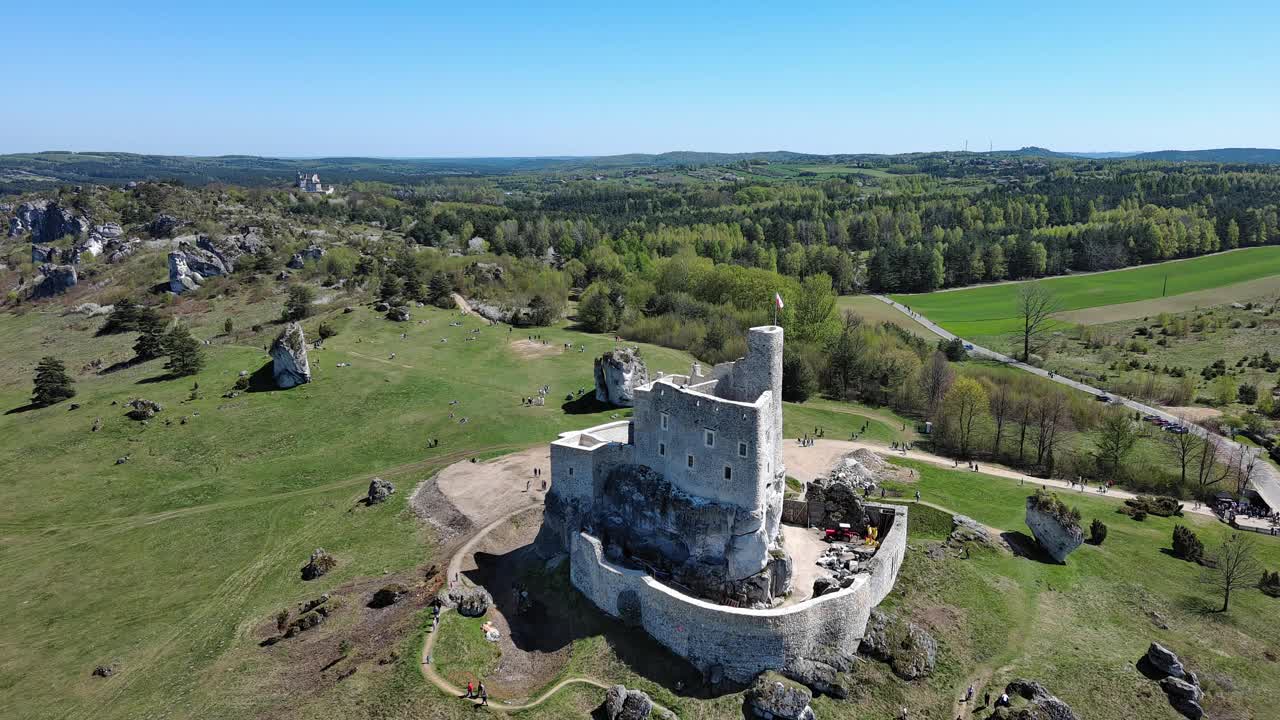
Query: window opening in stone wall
{"points": [[664, 421], [689, 460], [710, 438], [728, 473], [662, 449], [742, 449]]}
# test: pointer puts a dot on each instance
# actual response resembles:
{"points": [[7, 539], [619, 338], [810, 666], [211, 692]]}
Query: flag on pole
{"points": [[777, 298]]}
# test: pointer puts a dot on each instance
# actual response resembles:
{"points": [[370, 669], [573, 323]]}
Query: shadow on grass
{"points": [[1198, 605], [122, 365], [586, 404], [158, 379], [262, 379], [1025, 546], [23, 408], [554, 614]]}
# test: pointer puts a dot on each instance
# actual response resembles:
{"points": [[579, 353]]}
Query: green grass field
{"points": [[1078, 627], [992, 310], [167, 564]]}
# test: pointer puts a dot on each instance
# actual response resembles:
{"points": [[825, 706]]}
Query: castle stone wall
{"points": [[743, 642]]}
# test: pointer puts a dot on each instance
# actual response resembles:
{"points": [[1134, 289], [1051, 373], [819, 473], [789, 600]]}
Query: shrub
{"points": [[228, 326], [282, 620], [1160, 505], [298, 306], [1049, 503], [242, 383], [1270, 583], [1136, 513], [326, 331], [1186, 545], [1097, 532], [953, 349], [1248, 394]]}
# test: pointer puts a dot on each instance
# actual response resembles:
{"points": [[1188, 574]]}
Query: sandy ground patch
{"points": [[533, 349], [1193, 414], [805, 546], [485, 491]]}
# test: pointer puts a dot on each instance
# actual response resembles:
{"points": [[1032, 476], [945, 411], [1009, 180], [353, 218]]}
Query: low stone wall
{"points": [[743, 642]]}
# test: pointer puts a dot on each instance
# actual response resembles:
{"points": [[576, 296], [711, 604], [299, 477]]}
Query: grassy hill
{"points": [[992, 310]]}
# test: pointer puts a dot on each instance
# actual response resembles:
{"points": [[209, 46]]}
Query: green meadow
{"points": [[993, 309]]}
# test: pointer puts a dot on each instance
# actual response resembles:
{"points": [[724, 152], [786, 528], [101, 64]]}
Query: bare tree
{"points": [[1235, 567], [1244, 467], [1002, 410], [935, 380], [1184, 447], [1036, 306], [1208, 470], [1051, 418]]}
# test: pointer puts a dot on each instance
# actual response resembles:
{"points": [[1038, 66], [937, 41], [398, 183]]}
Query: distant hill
{"points": [[1269, 156]]}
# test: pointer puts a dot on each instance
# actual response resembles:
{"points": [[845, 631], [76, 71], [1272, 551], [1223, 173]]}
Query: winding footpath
{"points": [[1266, 478], [453, 577]]}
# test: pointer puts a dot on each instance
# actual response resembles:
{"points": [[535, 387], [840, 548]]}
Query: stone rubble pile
{"points": [[844, 562]]}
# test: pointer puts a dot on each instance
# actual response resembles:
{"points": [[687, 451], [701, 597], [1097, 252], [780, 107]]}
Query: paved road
{"points": [[1266, 479]]}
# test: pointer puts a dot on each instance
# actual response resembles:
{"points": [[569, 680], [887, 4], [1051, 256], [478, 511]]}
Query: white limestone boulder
{"points": [[289, 364]]}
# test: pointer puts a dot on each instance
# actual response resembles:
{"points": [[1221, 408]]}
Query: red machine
{"points": [[840, 533]]}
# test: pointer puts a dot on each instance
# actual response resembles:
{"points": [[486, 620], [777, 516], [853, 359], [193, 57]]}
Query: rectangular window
{"points": [[662, 449], [664, 421], [728, 473], [710, 438], [688, 460], [570, 472], [742, 449]]}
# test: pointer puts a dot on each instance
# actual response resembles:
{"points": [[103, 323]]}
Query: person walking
{"points": [[484, 695], [471, 689], [968, 696], [917, 496]]}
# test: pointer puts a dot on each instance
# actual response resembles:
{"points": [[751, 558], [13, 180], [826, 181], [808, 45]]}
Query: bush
{"points": [[1162, 506], [326, 331], [1248, 394], [1049, 503], [1270, 583], [298, 306], [953, 349], [1186, 545], [1136, 513], [1097, 532]]}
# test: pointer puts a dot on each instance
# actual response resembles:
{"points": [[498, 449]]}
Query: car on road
{"points": [[1102, 398], [1176, 429], [1151, 418]]}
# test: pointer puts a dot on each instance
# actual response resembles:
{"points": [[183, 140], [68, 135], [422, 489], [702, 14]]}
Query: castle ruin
{"points": [[672, 522]]}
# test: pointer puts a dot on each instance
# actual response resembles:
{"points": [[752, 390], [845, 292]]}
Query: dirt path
{"points": [[807, 463], [485, 491], [455, 575]]}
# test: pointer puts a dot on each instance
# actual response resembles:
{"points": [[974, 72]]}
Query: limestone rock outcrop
{"points": [[143, 409], [318, 565], [54, 280], [1180, 685], [772, 699], [1041, 705], [313, 252], [623, 704], [379, 490], [720, 551], [189, 265], [469, 601], [47, 221], [289, 366], [1057, 533], [908, 648], [841, 501], [164, 225], [398, 313], [618, 374]]}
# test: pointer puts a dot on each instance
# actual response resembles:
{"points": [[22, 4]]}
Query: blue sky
{"points": [[495, 78]]}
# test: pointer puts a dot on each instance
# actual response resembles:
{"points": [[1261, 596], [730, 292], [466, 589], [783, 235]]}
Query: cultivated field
{"points": [[875, 311], [992, 310]]}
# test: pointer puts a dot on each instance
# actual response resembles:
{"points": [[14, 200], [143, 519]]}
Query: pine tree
{"points": [[150, 343], [298, 306], [186, 357], [52, 384]]}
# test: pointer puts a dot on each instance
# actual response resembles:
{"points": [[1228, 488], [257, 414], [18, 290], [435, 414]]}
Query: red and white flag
{"points": [[777, 299]]}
